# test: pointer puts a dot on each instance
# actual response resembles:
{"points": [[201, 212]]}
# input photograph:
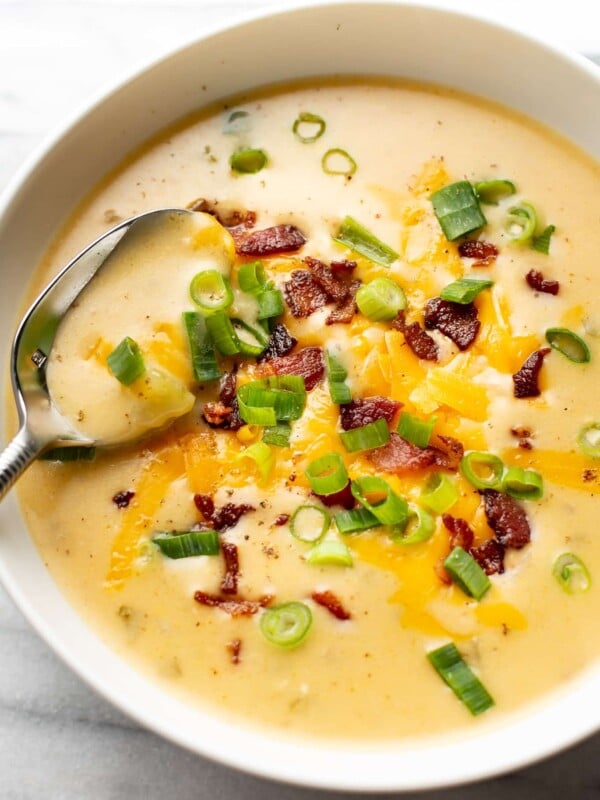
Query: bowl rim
{"points": [[534, 716]]}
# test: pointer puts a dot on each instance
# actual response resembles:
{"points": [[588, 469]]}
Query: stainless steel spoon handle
{"points": [[15, 459]]}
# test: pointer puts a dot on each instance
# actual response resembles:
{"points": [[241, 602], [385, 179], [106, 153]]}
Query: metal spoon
{"points": [[41, 424]]}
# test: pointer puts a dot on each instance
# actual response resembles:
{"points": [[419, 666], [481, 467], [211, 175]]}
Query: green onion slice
{"points": [[237, 122], [202, 348], [367, 437], [482, 470], [270, 303], [126, 362], [355, 236], [211, 291], [263, 457], [381, 299], [541, 243], [330, 554], [338, 162], [415, 430], [273, 399], [278, 435], [223, 334], [327, 474], [339, 390], [589, 439], [355, 520], [466, 573], [309, 523], [420, 527], [572, 574], [492, 191], [521, 222], [64, 454], [252, 341], [188, 543], [524, 484], [377, 496], [252, 277], [464, 290], [569, 344], [457, 209], [248, 161], [336, 372], [308, 127], [439, 493], [286, 625], [456, 673]]}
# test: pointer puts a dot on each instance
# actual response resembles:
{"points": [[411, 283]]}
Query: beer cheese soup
{"points": [[358, 378]]}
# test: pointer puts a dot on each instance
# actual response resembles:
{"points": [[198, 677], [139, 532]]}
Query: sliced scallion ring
{"points": [[309, 523], [126, 362], [367, 437], [464, 290], [419, 527], [248, 161], [67, 454], [339, 391], [252, 277], [270, 303], [358, 238], [589, 439], [330, 554], [223, 333], [571, 573], [278, 435], [439, 493], [252, 341], [492, 191], [238, 121], [569, 344], [355, 520], [327, 474], [308, 127], [381, 299], [263, 457], [415, 430], [457, 210], [524, 484], [482, 470], [377, 496], [202, 348], [521, 222], [466, 573], [187, 543], [286, 625], [338, 162], [541, 243], [211, 291], [456, 673]]}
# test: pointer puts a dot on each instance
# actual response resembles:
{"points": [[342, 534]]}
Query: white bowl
{"points": [[414, 41]]}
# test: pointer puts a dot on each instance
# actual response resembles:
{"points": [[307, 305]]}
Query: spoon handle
{"points": [[15, 458]]}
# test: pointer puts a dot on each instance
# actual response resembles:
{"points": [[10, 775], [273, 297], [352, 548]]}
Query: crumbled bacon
{"points": [[236, 607], [365, 410], [307, 362], [271, 241], [282, 519], [216, 414], [456, 321], [347, 308], [224, 413], [234, 648], [343, 498], [490, 557], [485, 252], [229, 515], [343, 267], [236, 222], [399, 456], [328, 600], [303, 294], [526, 379], [281, 342], [334, 288], [537, 282], [229, 584], [420, 342], [448, 452], [507, 519], [461, 534], [205, 505], [122, 499]]}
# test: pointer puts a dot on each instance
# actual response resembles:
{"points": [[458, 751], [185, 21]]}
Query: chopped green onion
{"points": [[263, 457], [492, 191], [466, 573], [415, 430], [419, 527], [286, 625], [524, 484], [377, 496], [188, 543], [270, 303], [267, 401], [237, 122], [211, 291], [572, 574], [347, 167], [202, 348], [335, 369], [456, 673], [367, 437], [252, 277], [126, 362], [327, 474], [521, 222], [457, 209], [252, 341], [358, 238], [248, 161], [541, 243], [75, 453], [464, 290], [439, 493], [330, 554], [306, 120], [223, 334], [569, 344], [278, 435], [589, 439], [380, 299], [339, 390], [482, 470], [355, 520], [309, 523]]}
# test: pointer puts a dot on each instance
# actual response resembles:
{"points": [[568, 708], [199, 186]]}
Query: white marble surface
{"points": [[58, 740]]}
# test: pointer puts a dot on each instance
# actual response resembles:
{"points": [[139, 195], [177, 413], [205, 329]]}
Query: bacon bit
{"points": [[365, 410], [234, 647], [229, 584], [344, 267], [329, 601], [231, 606], [456, 321], [521, 433], [122, 499], [282, 519], [537, 282], [420, 342], [343, 498], [334, 288], [461, 534], [236, 222], [490, 557], [229, 515], [526, 379], [307, 362], [399, 456], [281, 342], [205, 505], [303, 294], [507, 519], [345, 309], [224, 413], [589, 475], [271, 241], [485, 252], [448, 452], [216, 414]]}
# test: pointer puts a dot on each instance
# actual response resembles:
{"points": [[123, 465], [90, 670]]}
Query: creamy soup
{"points": [[435, 433]]}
